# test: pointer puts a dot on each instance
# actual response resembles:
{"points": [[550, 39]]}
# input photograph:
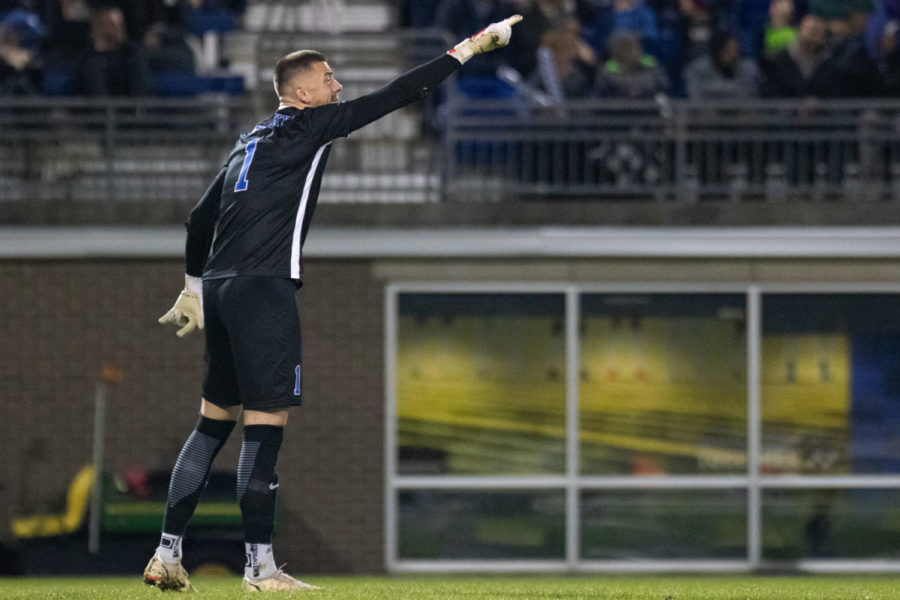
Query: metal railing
{"points": [[152, 149], [666, 150], [136, 149], [146, 150]]}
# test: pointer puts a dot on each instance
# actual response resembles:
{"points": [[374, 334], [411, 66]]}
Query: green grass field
{"points": [[475, 588]]}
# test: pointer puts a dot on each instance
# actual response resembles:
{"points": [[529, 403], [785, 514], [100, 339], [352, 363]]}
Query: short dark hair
{"points": [[291, 64]]}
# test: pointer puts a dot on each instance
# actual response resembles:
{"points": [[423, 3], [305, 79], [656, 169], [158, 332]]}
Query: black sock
{"points": [[257, 481], [191, 470]]}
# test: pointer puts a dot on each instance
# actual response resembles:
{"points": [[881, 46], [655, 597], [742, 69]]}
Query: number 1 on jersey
{"points": [[241, 184]]}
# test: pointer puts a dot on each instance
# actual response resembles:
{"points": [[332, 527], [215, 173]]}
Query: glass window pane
{"points": [[481, 384], [831, 383], [829, 523], [489, 525], [664, 524], [663, 383]]}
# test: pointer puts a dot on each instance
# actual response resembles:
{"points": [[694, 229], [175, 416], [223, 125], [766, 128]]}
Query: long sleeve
{"points": [[338, 120], [201, 227]]}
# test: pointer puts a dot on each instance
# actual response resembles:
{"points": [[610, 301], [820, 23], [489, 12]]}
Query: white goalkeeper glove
{"points": [[187, 312], [495, 35]]}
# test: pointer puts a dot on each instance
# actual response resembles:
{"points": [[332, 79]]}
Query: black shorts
{"points": [[252, 343]]}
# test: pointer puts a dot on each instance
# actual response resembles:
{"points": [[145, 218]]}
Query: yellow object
{"points": [[62, 523]]}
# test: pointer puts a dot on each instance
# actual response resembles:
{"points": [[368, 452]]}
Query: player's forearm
{"points": [[201, 226], [410, 87]]}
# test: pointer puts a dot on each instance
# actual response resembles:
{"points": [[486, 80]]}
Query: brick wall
{"points": [[61, 320]]}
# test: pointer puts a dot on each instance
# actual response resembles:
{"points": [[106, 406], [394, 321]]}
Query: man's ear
{"points": [[301, 95]]}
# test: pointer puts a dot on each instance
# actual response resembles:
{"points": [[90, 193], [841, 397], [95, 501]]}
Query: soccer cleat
{"points": [[279, 582], [166, 577]]}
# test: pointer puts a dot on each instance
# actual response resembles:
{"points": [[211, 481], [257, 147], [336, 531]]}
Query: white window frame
{"points": [[573, 484]]}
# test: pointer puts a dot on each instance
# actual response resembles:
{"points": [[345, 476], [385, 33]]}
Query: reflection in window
{"points": [[831, 389], [664, 524], [481, 525], [663, 383], [481, 384], [830, 523]]}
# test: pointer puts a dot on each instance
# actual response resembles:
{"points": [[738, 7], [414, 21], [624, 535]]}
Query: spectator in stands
{"points": [[885, 12], [113, 65], [635, 16], [629, 72], [166, 49], [540, 16], [882, 40], [722, 73], [69, 33], [888, 56], [571, 66], [671, 49], [780, 31], [852, 71], [21, 34], [624, 15], [797, 71], [698, 27], [214, 15]]}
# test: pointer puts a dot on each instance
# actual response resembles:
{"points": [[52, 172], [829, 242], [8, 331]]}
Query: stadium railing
{"points": [[751, 150], [142, 151]]}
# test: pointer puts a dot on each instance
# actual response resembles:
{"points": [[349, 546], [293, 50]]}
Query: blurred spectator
{"points": [[113, 65], [672, 46], [166, 49], [21, 34], [722, 73], [572, 63], [797, 70], [888, 56], [885, 12], [214, 15], [540, 16], [629, 72], [635, 16], [780, 31], [698, 26], [623, 15], [852, 71], [69, 32]]}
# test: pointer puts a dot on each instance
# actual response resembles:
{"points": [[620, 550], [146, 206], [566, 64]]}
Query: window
{"points": [[568, 427]]}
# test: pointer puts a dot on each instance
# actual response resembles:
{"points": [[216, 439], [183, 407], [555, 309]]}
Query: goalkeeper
{"points": [[243, 253]]}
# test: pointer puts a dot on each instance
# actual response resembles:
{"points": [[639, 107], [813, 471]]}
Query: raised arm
{"points": [[338, 120]]}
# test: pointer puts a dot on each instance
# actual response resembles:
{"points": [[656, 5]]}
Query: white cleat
{"points": [[279, 582], [166, 576]]}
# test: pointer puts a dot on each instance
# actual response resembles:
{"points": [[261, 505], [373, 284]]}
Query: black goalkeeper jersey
{"points": [[253, 218]]}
